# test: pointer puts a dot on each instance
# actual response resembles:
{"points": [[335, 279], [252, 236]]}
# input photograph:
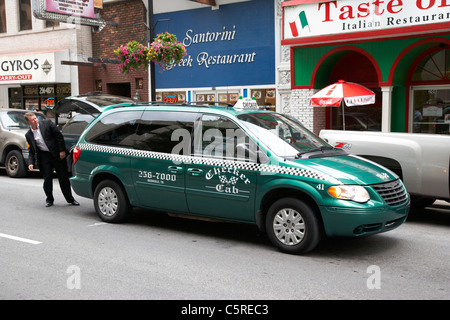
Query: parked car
{"points": [[13, 144], [421, 160], [240, 164], [360, 121]]}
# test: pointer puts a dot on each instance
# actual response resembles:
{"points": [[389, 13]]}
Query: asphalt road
{"points": [[66, 252]]}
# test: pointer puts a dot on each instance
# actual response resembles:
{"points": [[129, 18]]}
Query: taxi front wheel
{"points": [[111, 202], [292, 226]]}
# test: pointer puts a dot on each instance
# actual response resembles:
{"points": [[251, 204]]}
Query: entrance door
{"points": [[430, 92], [430, 109]]}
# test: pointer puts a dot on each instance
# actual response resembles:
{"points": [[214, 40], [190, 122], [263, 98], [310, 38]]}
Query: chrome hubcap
{"points": [[13, 164], [289, 227], [108, 202]]}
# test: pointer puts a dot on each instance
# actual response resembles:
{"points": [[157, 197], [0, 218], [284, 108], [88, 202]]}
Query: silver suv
{"points": [[13, 145]]}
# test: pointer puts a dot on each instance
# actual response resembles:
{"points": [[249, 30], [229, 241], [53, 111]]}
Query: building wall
{"points": [[130, 18], [74, 38], [293, 102], [390, 52]]}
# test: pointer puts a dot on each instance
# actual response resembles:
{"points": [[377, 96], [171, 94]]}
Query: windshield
{"points": [[16, 120], [283, 135]]}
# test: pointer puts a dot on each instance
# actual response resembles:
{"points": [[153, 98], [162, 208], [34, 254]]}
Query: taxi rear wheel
{"points": [[111, 202], [292, 226]]}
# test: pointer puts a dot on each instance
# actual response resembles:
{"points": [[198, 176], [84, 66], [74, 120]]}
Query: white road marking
{"points": [[97, 224], [19, 239]]}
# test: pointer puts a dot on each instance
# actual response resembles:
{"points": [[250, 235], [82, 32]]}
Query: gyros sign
{"points": [[39, 67]]}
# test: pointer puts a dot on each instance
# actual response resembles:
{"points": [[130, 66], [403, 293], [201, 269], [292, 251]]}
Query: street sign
{"points": [[76, 12]]}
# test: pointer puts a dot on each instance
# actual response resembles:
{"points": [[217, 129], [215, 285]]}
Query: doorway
{"points": [[362, 71], [430, 93], [119, 89]]}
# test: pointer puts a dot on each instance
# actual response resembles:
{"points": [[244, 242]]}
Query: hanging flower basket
{"points": [[132, 56], [166, 51]]}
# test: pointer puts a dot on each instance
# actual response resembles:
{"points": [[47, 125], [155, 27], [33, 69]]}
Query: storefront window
{"points": [[228, 97], [431, 112], [39, 97], [171, 96], [15, 97], [435, 67], [265, 97], [217, 97], [431, 94]]}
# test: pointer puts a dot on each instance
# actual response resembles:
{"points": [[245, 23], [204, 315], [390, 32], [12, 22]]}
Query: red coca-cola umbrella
{"points": [[343, 93]]}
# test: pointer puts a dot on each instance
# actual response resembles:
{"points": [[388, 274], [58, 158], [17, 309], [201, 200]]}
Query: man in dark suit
{"points": [[48, 152]]}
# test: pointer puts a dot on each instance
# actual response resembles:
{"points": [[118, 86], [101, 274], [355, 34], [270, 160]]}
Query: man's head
{"points": [[31, 120]]}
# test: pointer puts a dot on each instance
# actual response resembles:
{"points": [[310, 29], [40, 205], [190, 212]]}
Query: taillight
{"points": [[76, 154]]}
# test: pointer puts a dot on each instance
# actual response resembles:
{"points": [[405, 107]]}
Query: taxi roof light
{"points": [[246, 104]]}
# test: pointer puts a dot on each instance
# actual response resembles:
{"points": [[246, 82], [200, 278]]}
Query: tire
{"points": [[111, 202], [292, 226], [15, 164]]}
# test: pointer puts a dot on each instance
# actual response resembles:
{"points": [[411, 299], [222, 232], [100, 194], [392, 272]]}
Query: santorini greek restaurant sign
{"points": [[231, 46], [34, 68], [306, 20]]}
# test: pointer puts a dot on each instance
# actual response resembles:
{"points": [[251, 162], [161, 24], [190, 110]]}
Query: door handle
{"points": [[195, 172], [174, 169]]}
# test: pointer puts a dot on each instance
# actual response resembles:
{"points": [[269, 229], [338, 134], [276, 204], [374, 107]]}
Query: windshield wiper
{"points": [[321, 149]]}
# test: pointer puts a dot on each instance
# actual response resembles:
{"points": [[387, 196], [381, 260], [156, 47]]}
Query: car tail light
{"points": [[76, 154]]}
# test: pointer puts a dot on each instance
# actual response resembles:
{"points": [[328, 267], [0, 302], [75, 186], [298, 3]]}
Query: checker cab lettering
{"points": [[228, 179]]}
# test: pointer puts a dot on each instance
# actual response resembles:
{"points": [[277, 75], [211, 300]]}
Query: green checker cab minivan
{"points": [[241, 164]]}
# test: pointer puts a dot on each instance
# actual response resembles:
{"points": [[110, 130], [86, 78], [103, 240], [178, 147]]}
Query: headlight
{"points": [[354, 193]]}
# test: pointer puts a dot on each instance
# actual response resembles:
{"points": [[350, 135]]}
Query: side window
{"points": [[116, 129], [222, 138], [165, 131]]}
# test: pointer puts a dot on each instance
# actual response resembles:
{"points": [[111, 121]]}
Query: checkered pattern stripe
{"points": [[263, 168]]}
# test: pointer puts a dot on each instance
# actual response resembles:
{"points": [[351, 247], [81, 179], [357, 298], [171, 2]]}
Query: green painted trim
{"points": [[385, 53]]}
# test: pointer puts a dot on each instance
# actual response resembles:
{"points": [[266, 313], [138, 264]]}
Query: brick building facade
{"points": [[127, 20]]}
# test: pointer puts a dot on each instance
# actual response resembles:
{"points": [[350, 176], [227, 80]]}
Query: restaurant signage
{"points": [[307, 21], [34, 68], [226, 47]]}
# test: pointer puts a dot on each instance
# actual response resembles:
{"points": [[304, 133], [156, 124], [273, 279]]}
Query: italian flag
{"points": [[303, 23]]}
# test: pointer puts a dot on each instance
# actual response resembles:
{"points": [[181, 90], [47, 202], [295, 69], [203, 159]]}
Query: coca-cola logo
{"points": [[326, 102]]}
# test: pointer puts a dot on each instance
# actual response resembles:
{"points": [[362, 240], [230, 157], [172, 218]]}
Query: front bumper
{"points": [[25, 154], [349, 222]]}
